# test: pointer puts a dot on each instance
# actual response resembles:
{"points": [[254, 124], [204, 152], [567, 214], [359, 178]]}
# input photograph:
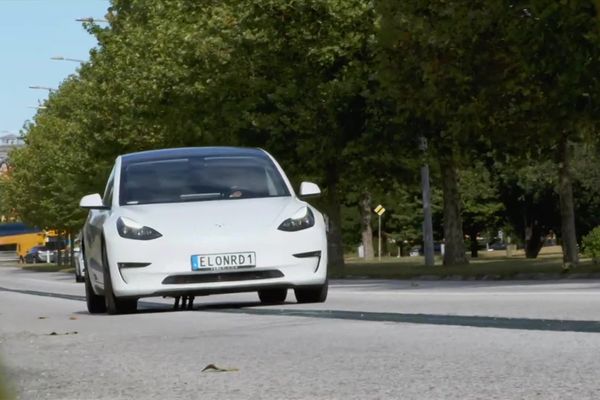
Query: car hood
{"points": [[228, 216]]}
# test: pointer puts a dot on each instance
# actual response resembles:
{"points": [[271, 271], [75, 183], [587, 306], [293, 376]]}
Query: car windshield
{"points": [[198, 179]]}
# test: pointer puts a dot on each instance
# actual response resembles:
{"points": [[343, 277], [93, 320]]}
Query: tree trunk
{"points": [[567, 207], [334, 235], [365, 224], [533, 240], [453, 230], [474, 243]]}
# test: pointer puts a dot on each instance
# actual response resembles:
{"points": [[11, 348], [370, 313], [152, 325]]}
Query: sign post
{"points": [[379, 210]]}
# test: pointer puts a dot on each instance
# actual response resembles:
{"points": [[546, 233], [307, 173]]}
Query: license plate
{"points": [[224, 261]]}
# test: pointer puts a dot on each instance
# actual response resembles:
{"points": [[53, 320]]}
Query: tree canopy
{"points": [[341, 92]]}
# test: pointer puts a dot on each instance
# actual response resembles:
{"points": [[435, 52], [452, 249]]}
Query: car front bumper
{"points": [[283, 259]]}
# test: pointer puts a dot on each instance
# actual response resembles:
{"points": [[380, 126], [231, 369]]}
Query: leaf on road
{"points": [[214, 368]]}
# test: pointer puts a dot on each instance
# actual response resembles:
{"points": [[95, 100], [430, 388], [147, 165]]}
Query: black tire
{"points": [[272, 296], [312, 294], [115, 305], [79, 278], [95, 303]]}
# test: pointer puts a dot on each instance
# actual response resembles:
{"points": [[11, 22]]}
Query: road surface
{"points": [[370, 340]]}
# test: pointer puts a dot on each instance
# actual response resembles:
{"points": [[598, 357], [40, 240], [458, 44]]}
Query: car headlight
{"points": [[132, 230], [303, 219]]}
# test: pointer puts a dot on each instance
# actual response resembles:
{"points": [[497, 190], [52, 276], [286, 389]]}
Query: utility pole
{"points": [[427, 224]]}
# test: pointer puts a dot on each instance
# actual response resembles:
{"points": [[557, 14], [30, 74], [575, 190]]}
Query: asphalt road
{"points": [[370, 340]]}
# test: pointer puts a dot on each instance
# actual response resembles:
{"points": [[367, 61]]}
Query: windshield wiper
{"points": [[195, 196]]}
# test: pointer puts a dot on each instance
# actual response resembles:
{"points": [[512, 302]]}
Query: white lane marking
{"points": [[402, 293]]}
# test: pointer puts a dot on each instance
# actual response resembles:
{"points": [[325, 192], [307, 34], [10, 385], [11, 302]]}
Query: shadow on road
{"points": [[256, 308]]}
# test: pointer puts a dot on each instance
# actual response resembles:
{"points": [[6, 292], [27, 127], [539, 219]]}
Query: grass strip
{"points": [[496, 268]]}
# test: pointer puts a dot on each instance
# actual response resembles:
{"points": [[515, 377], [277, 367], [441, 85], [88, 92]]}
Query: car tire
{"points": [[272, 296], [79, 278], [95, 303], [115, 305], [312, 294]]}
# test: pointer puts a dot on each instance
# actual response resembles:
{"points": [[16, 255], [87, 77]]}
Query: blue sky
{"points": [[32, 31]]}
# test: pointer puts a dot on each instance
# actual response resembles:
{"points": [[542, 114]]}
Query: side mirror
{"points": [[92, 202], [309, 189]]}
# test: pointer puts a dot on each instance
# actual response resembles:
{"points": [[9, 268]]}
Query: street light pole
{"points": [[91, 20], [42, 88], [61, 58], [427, 219]]}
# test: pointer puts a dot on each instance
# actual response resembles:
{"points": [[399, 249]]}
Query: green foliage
{"points": [[591, 245], [339, 91], [288, 76], [439, 63], [586, 174], [481, 206], [552, 89]]}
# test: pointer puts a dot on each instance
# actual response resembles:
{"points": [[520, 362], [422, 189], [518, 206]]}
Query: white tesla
{"points": [[196, 221]]}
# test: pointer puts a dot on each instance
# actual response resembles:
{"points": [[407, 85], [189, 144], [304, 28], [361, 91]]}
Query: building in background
{"points": [[8, 142]]}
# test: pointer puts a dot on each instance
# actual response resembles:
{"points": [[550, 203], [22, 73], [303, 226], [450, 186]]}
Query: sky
{"points": [[32, 31]]}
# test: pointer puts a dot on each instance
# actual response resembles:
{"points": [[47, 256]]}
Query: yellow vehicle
{"points": [[20, 238]]}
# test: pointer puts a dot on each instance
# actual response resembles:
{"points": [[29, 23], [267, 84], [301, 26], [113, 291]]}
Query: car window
{"points": [[200, 179], [108, 191]]}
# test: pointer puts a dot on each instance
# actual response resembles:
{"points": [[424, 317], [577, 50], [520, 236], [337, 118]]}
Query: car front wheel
{"points": [[272, 296], [312, 294], [95, 303], [115, 305]]}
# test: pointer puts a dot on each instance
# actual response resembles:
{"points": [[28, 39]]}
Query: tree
{"points": [[302, 68], [440, 62], [42, 186], [481, 206], [553, 89], [290, 76], [527, 190]]}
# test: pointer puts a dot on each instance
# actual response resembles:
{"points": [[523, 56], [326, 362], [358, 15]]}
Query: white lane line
{"points": [[404, 293]]}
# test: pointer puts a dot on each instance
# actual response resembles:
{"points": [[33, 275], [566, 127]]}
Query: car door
{"points": [[93, 237]]}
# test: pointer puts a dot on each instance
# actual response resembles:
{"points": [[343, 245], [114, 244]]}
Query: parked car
{"points": [[419, 251], [40, 254], [198, 221], [497, 246], [415, 251], [78, 259]]}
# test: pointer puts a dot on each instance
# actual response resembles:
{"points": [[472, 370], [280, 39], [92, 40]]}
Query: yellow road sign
{"points": [[379, 210]]}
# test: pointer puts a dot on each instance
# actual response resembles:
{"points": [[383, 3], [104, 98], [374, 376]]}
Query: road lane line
{"points": [[553, 325]]}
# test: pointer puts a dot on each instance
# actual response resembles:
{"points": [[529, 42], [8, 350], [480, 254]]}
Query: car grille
{"points": [[222, 277]]}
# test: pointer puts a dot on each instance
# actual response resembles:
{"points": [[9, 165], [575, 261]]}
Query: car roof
{"points": [[217, 151]]}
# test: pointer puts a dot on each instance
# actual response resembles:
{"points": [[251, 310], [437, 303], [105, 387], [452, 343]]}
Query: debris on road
{"points": [[66, 333], [214, 368]]}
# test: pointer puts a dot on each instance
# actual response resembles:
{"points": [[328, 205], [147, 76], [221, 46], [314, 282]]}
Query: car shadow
{"points": [[149, 307]]}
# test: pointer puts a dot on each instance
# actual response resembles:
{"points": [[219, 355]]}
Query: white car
{"points": [[197, 221], [47, 256], [78, 259]]}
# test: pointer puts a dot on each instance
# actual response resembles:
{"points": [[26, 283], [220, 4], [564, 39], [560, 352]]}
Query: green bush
{"points": [[591, 245]]}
